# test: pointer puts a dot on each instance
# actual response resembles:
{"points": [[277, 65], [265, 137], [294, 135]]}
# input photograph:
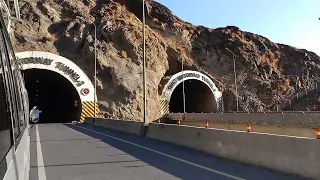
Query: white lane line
{"points": [[169, 156], [41, 170]]}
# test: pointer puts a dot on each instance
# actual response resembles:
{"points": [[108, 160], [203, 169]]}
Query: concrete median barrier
{"points": [[133, 127], [88, 120], [299, 156]]}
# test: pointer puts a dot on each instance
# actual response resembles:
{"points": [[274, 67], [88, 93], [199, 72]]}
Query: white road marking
{"points": [[169, 156], [41, 169]]}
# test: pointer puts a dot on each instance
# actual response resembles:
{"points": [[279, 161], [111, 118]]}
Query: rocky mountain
{"points": [[268, 73]]}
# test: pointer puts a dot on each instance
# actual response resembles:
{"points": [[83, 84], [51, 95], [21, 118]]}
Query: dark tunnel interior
{"points": [[54, 95], [198, 98]]}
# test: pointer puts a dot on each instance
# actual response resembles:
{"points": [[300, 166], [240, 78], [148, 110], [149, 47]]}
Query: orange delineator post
{"points": [[248, 128], [179, 122], [207, 124], [318, 133]]}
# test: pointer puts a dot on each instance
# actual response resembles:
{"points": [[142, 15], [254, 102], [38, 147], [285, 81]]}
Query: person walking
{"points": [[34, 114]]}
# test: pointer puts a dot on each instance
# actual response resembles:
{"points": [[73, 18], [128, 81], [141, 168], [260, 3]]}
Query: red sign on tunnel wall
{"points": [[85, 91]]}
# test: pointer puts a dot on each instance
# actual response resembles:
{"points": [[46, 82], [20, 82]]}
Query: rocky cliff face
{"points": [[267, 73]]}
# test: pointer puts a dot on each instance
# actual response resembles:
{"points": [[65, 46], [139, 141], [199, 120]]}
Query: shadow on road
{"points": [[177, 168]]}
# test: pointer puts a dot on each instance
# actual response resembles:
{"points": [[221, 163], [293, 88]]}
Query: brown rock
{"points": [[261, 65]]}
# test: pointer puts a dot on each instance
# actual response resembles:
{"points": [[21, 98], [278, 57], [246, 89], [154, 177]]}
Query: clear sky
{"points": [[292, 22]]}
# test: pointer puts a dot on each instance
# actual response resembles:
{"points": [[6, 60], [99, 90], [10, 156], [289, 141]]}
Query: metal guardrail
{"points": [[299, 119], [299, 95]]}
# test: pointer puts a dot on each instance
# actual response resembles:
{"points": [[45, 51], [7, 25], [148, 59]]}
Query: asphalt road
{"points": [[84, 152]]}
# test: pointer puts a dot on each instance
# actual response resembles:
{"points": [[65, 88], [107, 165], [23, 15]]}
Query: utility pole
{"points": [[144, 66], [95, 70], [183, 93], [235, 78]]}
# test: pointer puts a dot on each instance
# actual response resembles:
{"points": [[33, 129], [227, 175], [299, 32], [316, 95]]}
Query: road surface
{"points": [[84, 152]]}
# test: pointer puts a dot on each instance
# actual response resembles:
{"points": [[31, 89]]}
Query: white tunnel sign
{"points": [[191, 75], [179, 78], [63, 66], [74, 76]]}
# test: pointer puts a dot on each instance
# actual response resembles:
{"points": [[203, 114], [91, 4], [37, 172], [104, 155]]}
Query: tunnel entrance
{"points": [[198, 98], [201, 94], [54, 95]]}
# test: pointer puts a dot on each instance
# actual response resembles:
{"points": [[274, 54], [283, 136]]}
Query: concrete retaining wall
{"points": [[300, 156], [292, 119], [132, 127]]}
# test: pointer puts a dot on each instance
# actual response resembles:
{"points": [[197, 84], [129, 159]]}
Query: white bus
{"points": [[14, 114]]}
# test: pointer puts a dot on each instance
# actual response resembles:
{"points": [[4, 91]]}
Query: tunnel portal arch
{"points": [[69, 70], [175, 81]]}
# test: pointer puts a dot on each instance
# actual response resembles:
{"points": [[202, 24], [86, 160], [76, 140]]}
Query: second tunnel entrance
{"points": [[198, 98], [54, 95], [200, 94]]}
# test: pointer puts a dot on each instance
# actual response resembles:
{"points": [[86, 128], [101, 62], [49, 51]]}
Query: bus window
{"points": [[8, 80], [5, 121], [17, 84]]}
